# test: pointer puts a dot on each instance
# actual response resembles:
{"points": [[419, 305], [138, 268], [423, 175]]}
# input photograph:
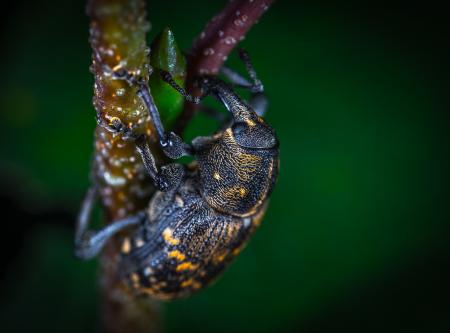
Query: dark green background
{"points": [[356, 237]]}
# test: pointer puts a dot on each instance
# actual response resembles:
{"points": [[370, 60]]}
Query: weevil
{"points": [[204, 213]]}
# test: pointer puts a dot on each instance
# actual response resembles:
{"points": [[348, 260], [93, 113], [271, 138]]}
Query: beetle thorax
{"points": [[234, 179]]}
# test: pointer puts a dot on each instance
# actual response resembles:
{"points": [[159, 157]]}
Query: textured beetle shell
{"points": [[185, 245], [234, 179]]}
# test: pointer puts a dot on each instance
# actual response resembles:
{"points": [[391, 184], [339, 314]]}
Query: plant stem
{"points": [[117, 36]]}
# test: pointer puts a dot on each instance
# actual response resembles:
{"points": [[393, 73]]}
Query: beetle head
{"points": [[253, 132]]}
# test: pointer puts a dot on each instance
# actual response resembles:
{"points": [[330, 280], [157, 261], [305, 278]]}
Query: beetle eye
{"points": [[239, 129], [257, 136]]}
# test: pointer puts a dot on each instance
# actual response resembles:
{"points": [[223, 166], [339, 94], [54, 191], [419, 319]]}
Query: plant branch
{"points": [[212, 47], [117, 36]]}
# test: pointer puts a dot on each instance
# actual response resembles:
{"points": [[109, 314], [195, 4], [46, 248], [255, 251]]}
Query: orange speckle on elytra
{"points": [[220, 257], [186, 283], [177, 255], [186, 266], [126, 246], [168, 237]]}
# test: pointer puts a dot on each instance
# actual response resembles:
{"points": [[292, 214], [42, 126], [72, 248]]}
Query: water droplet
{"points": [[229, 40], [121, 212], [107, 191], [115, 162], [107, 202], [238, 23], [120, 92], [208, 51], [146, 26]]}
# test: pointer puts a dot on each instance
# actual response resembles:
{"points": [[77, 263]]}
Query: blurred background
{"points": [[356, 238]]}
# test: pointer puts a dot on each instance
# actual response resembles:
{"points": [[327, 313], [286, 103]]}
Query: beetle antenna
{"points": [[168, 78]]}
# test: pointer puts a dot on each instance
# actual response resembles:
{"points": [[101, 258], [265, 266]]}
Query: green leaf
{"points": [[165, 55]]}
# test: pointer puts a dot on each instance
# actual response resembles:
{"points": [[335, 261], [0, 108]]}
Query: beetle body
{"points": [[194, 230], [203, 214], [184, 245]]}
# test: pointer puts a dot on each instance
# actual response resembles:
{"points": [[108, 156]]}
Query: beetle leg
{"points": [[88, 243], [235, 78], [257, 85], [168, 177], [85, 213], [171, 144], [238, 80], [258, 101]]}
